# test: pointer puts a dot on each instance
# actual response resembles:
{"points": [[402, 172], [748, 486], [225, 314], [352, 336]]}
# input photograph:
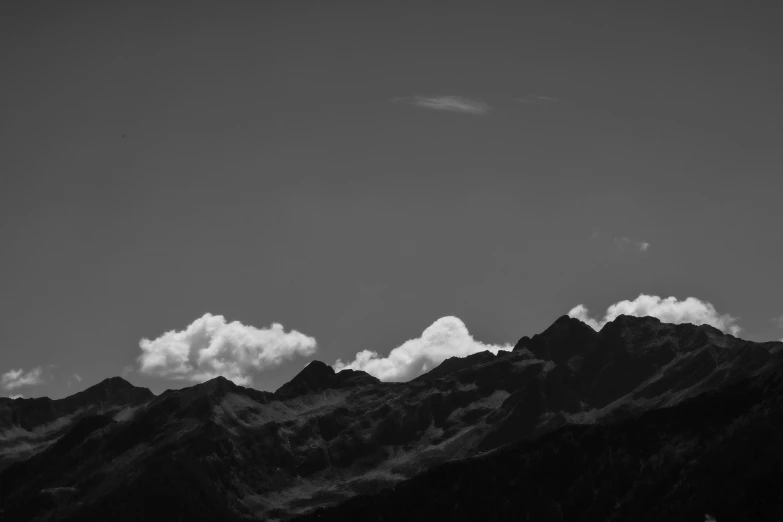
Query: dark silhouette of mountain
{"points": [[318, 376], [717, 455], [28, 426], [108, 394], [218, 451]]}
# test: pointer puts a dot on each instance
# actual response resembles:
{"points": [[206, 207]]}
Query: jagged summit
{"points": [[318, 376], [565, 338], [567, 326], [455, 364], [317, 368], [109, 393], [113, 385], [217, 385], [635, 320], [115, 382]]}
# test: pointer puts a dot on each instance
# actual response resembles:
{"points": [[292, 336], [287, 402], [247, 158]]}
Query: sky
{"points": [[241, 188]]}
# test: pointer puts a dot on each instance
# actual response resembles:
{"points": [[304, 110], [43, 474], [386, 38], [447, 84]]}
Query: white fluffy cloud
{"points": [[210, 347], [446, 337], [669, 310], [13, 379]]}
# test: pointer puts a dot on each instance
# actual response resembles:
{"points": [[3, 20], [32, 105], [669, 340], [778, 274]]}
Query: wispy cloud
{"points": [[532, 99], [18, 396], [450, 103], [211, 346], [669, 310], [446, 337], [627, 243], [13, 379], [77, 377]]}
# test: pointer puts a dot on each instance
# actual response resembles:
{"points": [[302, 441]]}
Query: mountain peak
{"points": [[316, 376], [566, 337], [219, 385], [220, 379], [114, 382], [635, 320], [566, 322], [317, 368], [114, 388]]}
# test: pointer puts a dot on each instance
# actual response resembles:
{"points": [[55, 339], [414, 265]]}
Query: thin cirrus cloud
{"points": [[627, 243], [446, 337], [669, 310], [14, 379], [210, 347], [451, 104], [532, 99]]}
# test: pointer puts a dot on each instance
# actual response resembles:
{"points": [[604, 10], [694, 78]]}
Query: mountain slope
{"points": [[28, 426], [719, 454], [221, 451]]}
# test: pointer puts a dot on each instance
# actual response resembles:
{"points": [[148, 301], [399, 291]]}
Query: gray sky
{"points": [[356, 172]]}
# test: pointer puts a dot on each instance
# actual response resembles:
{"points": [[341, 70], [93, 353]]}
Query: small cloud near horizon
{"points": [[446, 337], [210, 347], [13, 379], [450, 103], [669, 310]]}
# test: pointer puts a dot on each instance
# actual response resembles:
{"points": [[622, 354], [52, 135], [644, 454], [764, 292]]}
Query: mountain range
{"points": [[642, 420]]}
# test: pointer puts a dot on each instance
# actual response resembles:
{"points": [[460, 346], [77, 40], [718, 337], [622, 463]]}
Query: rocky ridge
{"points": [[221, 451]]}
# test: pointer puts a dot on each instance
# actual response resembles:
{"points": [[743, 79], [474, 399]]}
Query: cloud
{"points": [[624, 242], [446, 337], [451, 103], [532, 99], [210, 346], [17, 378], [19, 396], [77, 377], [669, 310]]}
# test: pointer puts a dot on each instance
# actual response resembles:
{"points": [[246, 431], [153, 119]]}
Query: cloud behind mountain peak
{"points": [[668, 310], [446, 337], [211, 346]]}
